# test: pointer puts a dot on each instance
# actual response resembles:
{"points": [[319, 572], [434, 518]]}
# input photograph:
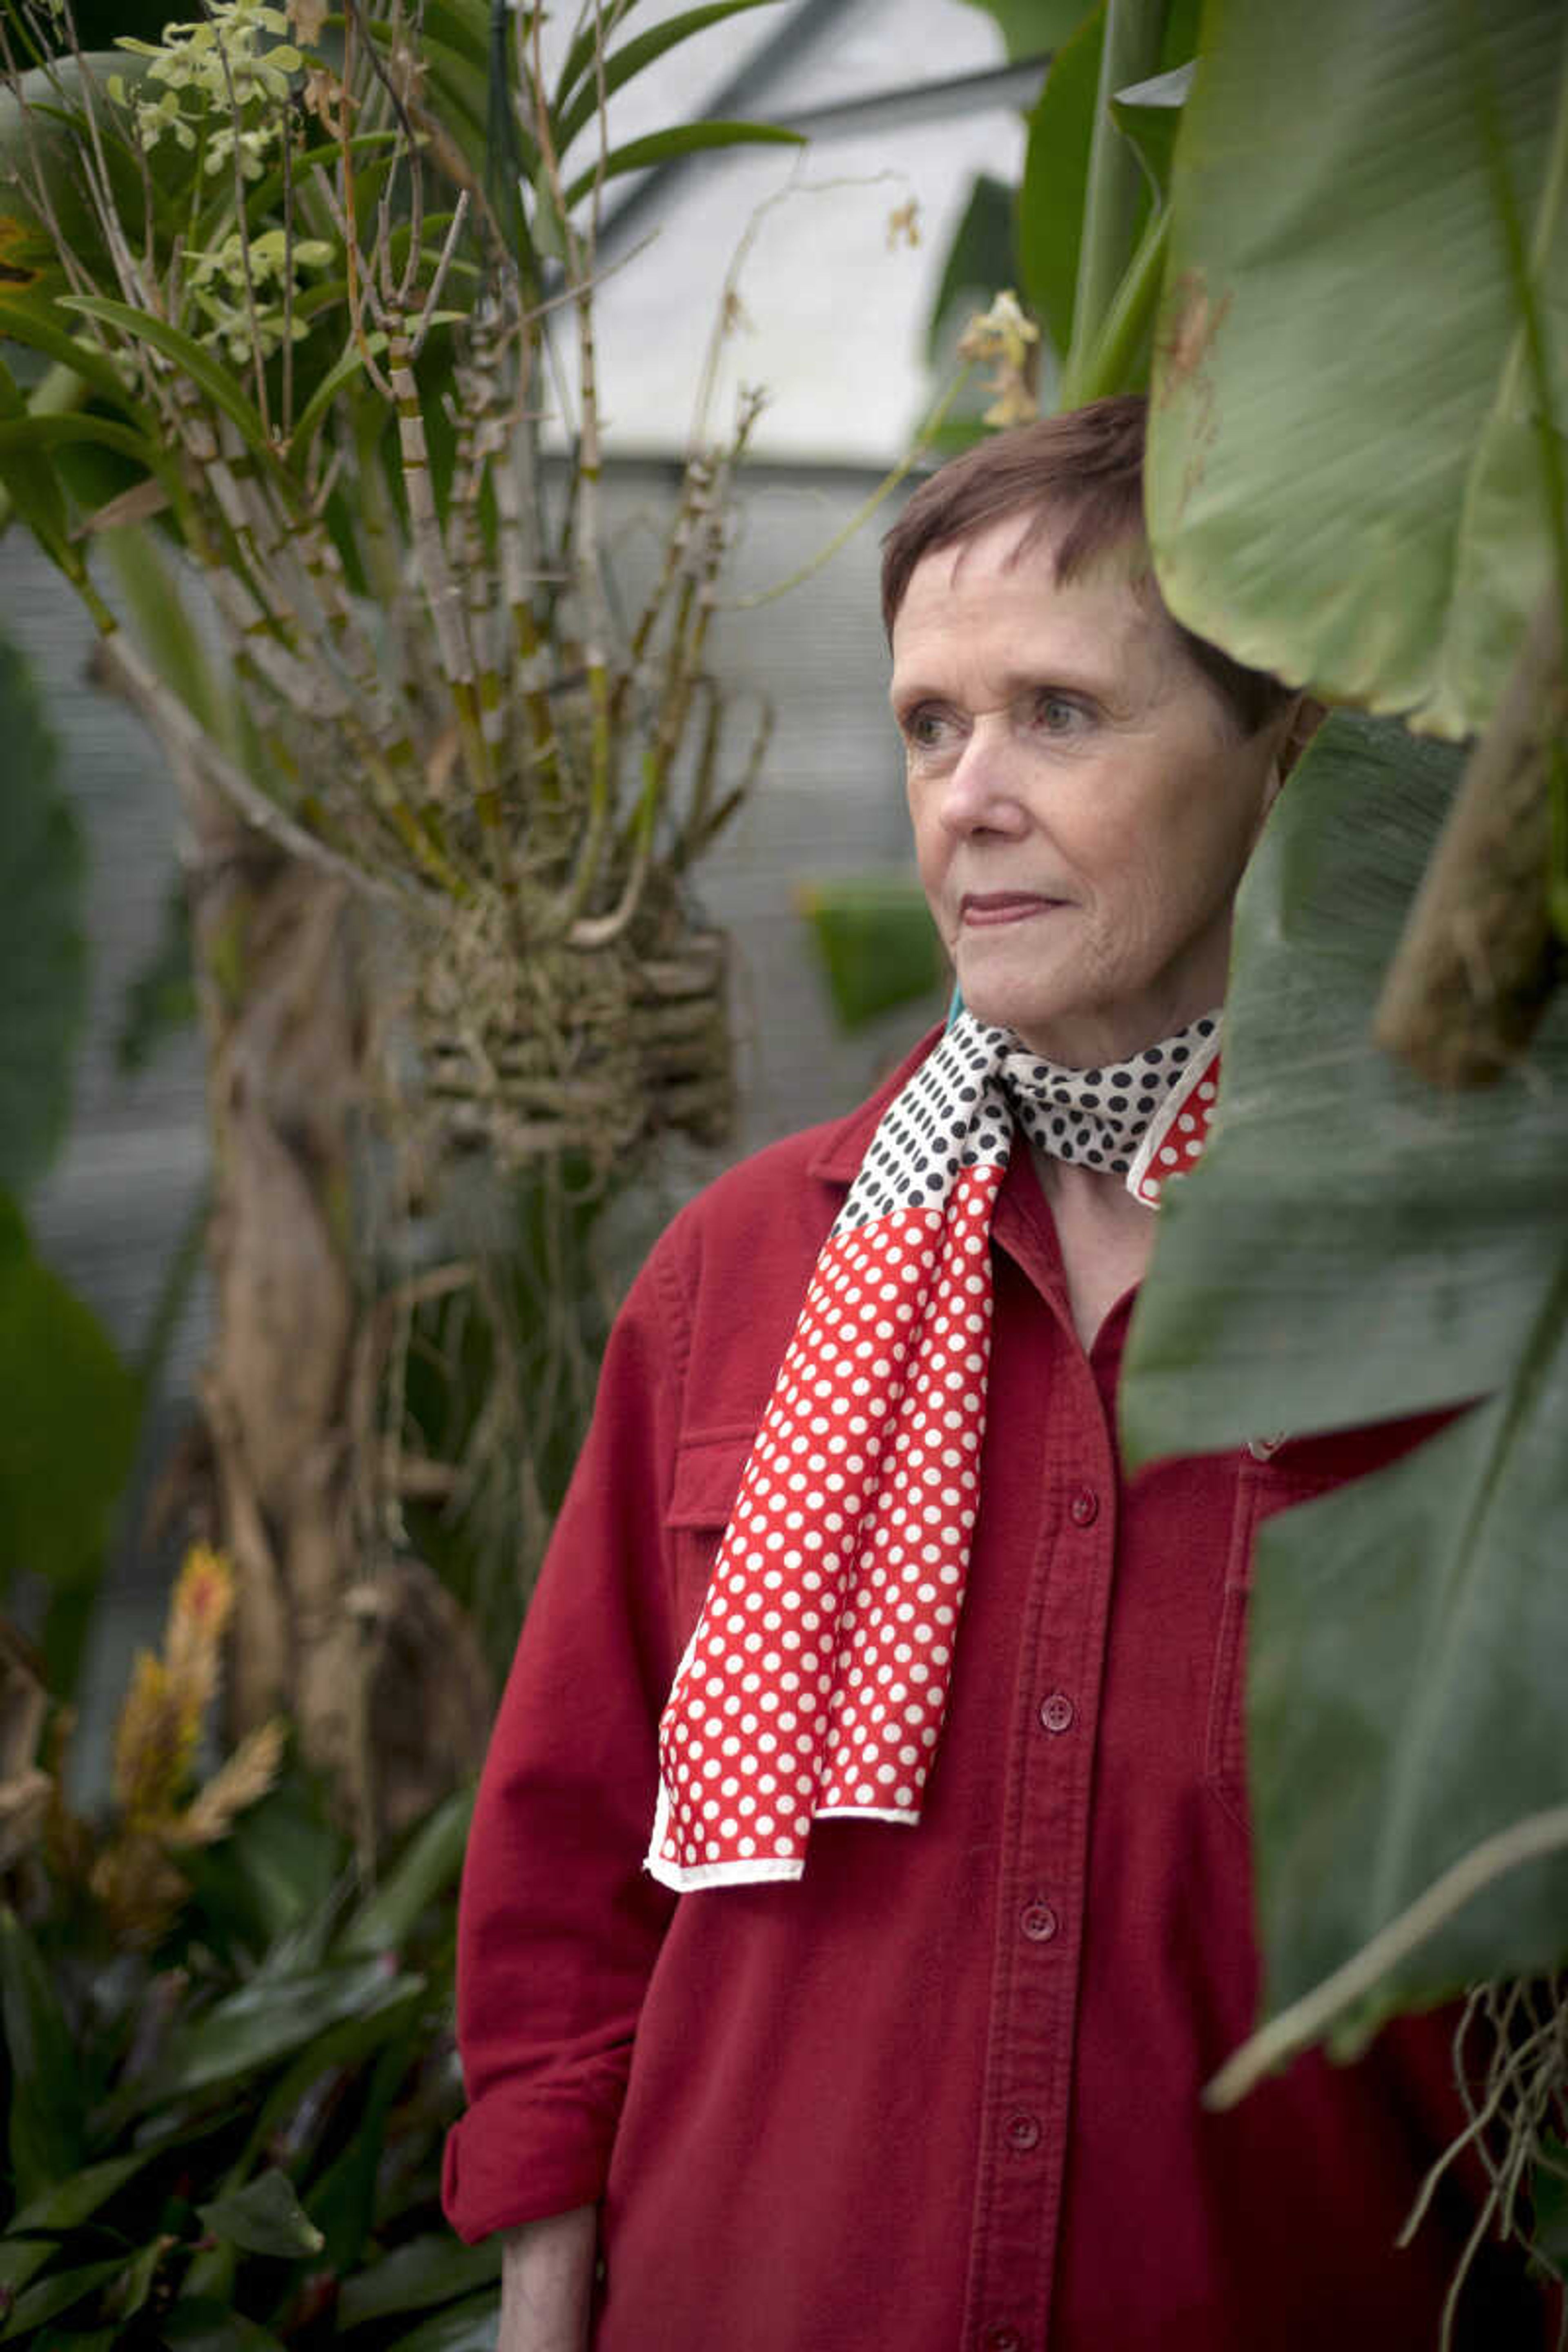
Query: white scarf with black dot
{"points": [[815, 1682]]}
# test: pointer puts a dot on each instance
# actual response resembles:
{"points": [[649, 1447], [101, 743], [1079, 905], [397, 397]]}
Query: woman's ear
{"points": [[1307, 714]]}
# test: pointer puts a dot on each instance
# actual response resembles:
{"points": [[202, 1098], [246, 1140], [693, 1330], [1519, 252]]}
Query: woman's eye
{"points": [[1056, 714]]}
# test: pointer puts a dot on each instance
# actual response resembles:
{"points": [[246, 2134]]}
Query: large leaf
{"points": [[69, 1427], [1344, 478], [1405, 1699], [43, 952], [1355, 1244]]}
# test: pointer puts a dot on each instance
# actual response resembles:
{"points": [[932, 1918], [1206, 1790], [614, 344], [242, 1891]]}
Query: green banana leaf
{"points": [[1346, 476], [1356, 1246]]}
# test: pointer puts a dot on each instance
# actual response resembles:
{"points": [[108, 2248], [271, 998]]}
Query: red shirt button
{"points": [[1002, 2339], [1039, 1923], [1057, 1712], [1023, 2132], [1084, 1508]]}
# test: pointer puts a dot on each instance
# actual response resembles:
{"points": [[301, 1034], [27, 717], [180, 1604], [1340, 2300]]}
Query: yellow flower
{"points": [[904, 225], [155, 1745], [1003, 338], [199, 1611]]}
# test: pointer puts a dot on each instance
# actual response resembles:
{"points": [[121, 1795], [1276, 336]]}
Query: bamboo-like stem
{"points": [[122, 666], [443, 596]]}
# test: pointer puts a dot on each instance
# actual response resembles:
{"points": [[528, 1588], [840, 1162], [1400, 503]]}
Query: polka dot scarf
{"points": [[815, 1682]]}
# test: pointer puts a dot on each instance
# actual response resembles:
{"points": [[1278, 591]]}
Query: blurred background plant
{"points": [[299, 280], [228, 2065]]}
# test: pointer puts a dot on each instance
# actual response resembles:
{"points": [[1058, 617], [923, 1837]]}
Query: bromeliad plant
{"points": [[310, 291], [227, 2066]]}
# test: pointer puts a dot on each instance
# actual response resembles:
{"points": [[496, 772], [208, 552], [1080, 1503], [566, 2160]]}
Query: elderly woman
{"points": [[859, 1896]]}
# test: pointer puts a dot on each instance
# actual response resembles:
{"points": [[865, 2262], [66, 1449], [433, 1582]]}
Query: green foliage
{"points": [[1091, 215], [875, 942], [1358, 1245], [69, 1427], [1345, 480], [1031, 27], [221, 2144], [1055, 179], [43, 954]]}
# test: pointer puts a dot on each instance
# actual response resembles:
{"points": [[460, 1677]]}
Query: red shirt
{"points": [[944, 2092]]}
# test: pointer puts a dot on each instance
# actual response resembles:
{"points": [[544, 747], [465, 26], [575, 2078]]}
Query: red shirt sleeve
{"points": [[559, 1925]]}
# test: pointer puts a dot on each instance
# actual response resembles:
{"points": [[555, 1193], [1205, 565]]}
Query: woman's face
{"points": [[1083, 805]]}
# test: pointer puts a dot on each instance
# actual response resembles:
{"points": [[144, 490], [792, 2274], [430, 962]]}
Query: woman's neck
{"points": [[1105, 1235]]}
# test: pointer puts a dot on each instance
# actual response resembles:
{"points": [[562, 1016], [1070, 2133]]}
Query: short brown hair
{"points": [[1078, 476]]}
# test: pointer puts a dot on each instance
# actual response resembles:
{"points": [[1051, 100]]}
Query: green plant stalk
{"points": [[442, 597], [1306, 2021], [1134, 30], [602, 737], [1128, 322], [931, 425]]}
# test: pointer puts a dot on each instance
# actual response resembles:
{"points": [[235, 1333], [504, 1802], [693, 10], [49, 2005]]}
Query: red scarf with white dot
{"points": [[815, 1682]]}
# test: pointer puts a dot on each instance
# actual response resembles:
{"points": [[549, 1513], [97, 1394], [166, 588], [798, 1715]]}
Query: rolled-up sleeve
{"points": [[559, 1925]]}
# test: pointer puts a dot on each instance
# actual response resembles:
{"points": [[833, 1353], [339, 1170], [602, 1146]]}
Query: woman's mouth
{"points": [[984, 907]]}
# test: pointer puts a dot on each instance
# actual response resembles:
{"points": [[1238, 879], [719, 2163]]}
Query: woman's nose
{"points": [[980, 791]]}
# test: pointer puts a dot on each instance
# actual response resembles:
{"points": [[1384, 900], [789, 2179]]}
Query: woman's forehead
{"points": [[994, 600]]}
